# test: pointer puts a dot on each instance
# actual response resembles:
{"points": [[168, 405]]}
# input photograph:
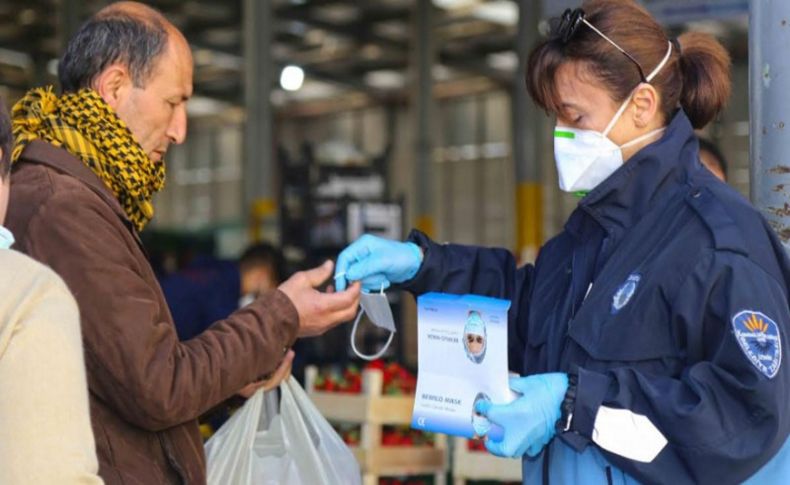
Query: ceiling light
{"points": [[291, 78]]}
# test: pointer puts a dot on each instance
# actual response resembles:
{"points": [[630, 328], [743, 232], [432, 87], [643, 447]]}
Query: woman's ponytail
{"points": [[705, 71]]}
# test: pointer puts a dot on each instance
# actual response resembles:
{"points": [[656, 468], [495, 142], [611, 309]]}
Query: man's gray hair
{"points": [[103, 40]]}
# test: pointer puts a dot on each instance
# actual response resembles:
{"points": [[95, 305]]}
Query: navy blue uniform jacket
{"points": [[667, 293]]}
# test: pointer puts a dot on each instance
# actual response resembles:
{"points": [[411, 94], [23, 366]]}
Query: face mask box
{"points": [[462, 358]]}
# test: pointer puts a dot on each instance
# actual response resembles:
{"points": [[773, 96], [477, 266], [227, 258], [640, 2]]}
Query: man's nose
{"points": [[177, 131]]}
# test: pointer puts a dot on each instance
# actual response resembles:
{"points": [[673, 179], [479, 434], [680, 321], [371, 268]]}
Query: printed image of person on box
{"points": [[649, 334], [480, 423], [475, 337]]}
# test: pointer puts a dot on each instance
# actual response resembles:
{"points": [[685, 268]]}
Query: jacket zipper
{"points": [[609, 475]]}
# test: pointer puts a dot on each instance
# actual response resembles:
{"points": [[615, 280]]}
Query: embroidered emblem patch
{"points": [[759, 339], [623, 294]]}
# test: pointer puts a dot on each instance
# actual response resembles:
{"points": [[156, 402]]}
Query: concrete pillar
{"points": [[259, 76], [527, 138], [423, 106]]}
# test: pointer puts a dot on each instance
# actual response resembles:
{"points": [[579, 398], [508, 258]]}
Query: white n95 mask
{"points": [[377, 308], [6, 238], [585, 158]]}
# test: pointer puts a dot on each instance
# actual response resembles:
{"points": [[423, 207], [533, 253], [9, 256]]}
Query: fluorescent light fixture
{"points": [[385, 79], [499, 12], [291, 78]]}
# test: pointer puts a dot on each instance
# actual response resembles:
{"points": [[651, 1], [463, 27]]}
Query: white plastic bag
{"points": [[264, 443]]}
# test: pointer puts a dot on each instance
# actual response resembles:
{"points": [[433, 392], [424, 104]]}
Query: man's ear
{"points": [[113, 84], [645, 105]]}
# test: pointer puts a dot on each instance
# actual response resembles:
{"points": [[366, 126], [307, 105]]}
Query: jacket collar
{"points": [[59, 159], [646, 179]]}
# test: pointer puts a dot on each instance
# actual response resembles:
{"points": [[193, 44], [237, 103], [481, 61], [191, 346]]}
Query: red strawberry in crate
{"points": [[319, 383]]}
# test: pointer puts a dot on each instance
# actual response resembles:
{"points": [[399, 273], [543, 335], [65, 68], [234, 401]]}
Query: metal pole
{"points": [[527, 138], [769, 83], [259, 74], [423, 103]]}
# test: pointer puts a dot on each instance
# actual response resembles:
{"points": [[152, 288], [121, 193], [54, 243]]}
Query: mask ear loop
{"points": [[646, 80], [354, 337]]}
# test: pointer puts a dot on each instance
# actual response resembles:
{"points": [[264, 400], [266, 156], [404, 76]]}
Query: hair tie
{"points": [[676, 45]]}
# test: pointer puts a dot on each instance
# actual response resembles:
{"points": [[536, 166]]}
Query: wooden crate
{"points": [[372, 410], [478, 465]]}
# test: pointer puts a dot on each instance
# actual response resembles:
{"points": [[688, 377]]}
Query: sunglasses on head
{"points": [[570, 22]]}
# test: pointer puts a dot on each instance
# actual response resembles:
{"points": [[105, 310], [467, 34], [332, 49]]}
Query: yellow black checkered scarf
{"points": [[84, 125]]}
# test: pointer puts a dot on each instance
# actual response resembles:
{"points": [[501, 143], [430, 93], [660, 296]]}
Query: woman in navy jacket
{"points": [[651, 330]]}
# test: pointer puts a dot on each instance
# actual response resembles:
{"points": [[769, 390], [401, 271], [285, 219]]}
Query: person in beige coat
{"points": [[45, 428]]}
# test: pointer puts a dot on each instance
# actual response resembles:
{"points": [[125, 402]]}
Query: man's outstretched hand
{"points": [[318, 311]]}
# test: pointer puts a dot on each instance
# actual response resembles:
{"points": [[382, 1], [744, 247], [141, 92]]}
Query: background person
{"points": [[651, 330], [713, 159], [86, 165], [45, 432], [208, 289]]}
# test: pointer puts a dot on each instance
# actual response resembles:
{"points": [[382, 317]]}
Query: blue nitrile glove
{"points": [[377, 263], [528, 422]]}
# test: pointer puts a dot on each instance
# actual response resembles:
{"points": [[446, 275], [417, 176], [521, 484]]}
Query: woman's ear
{"points": [[645, 105]]}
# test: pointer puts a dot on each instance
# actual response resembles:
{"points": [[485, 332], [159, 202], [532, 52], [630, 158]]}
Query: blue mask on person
{"points": [[6, 238]]}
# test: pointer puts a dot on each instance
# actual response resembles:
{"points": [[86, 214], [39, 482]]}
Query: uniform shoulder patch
{"points": [[624, 293], [759, 339]]}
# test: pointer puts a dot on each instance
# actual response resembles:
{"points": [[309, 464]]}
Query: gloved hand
{"points": [[528, 422], [377, 262]]}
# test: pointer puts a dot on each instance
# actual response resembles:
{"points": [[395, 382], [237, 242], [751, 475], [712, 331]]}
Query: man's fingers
{"points": [[288, 359], [339, 301], [344, 314], [319, 274], [281, 373], [284, 368]]}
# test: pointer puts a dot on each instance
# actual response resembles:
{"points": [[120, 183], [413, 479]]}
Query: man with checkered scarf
{"points": [[86, 165]]}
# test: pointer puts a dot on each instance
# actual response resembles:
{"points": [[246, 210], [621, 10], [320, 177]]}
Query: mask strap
{"points": [[649, 77], [617, 116], [354, 337], [643, 137], [660, 64]]}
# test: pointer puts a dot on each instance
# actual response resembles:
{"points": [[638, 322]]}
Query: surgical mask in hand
{"points": [[6, 238], [377, 308]]}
